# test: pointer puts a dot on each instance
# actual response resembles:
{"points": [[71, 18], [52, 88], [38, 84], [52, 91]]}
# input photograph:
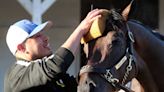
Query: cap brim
{"points": [[45, 26]]}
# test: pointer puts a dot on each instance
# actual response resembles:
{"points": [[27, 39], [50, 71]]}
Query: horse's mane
{"points": [[155, 33]]}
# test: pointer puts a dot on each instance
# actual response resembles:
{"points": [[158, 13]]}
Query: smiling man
{"points": [[36, 68]]}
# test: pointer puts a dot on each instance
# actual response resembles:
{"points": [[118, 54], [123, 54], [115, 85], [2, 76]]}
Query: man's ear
{"points": [[21, 48]]}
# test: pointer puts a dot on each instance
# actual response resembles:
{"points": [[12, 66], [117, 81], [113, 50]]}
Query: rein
{"points": [[111, 75]]}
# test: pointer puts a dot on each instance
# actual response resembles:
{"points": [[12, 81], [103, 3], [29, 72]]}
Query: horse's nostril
{"points": [[92, 85]]}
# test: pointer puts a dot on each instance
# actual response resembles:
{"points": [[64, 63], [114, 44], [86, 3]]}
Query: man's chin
{"points": [[49, 53]]}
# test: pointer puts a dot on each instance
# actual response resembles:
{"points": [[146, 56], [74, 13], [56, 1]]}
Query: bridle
{"points": [[110, 74]]}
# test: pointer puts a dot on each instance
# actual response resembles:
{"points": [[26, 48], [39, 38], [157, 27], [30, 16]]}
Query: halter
{"points": [[111, 74]]}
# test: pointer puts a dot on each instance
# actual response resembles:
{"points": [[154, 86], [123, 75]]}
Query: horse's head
{"points": [[109, 57]]}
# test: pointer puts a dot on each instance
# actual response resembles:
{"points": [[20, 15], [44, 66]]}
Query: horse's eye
{"points": [[115, 41]]}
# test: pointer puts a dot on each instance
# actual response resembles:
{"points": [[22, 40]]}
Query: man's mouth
{"points": [[47, 46]]}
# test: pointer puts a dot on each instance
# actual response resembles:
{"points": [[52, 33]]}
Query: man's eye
{"points": [[37, 35]]}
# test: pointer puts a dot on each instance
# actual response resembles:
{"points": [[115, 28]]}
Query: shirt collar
{"points": [[22, 62]]}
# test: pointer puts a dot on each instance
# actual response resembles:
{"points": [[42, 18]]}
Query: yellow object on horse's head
{"points": [[97, 28]]}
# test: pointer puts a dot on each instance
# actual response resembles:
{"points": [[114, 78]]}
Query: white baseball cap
{"points": [[21, 30]]}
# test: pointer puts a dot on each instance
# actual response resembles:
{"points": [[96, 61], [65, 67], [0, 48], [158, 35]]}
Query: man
{"points": [[37, 69]]}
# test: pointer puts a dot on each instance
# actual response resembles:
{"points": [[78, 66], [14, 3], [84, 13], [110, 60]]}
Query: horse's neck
{"points": [[146, 43], [151, 49]]}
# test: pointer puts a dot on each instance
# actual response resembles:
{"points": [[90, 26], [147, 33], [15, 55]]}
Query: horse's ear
{"points": [[126, 11]]}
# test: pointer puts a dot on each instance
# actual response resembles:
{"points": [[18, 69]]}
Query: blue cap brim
{"points": [[39, 28]]}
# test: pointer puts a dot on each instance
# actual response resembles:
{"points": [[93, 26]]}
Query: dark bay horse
{"points": [[151, 49], [112, 60]]}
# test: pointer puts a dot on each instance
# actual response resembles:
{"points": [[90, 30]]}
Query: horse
{"points": [[124, 51], [151, 49]]}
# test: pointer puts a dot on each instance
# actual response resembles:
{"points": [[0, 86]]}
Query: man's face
{"points": [[38, 46]]}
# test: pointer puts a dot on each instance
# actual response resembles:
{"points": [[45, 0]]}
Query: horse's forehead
{"points": [[107, 39], [110, 35]]}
